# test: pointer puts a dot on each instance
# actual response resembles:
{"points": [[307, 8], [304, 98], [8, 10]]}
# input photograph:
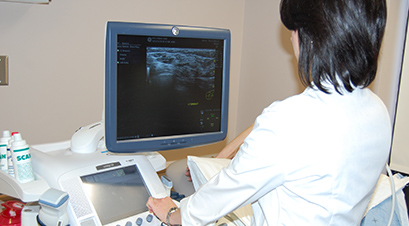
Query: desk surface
{"points": [[5, 198]]}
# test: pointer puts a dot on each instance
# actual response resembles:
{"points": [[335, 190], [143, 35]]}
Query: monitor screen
{"points": [[166, 86], [127, 190]]}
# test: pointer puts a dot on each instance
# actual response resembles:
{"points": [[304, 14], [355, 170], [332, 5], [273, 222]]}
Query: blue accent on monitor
{"points": [[166, 86]]}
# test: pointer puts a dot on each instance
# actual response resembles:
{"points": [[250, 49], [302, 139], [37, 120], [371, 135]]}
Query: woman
{"points": [[314, 158]]}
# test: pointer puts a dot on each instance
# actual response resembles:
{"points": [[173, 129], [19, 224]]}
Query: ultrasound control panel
{"points": [[143, 219], [103, 188]]}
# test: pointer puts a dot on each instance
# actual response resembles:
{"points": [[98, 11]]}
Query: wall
{"points": [[269, 70], [390, 60], [56, 57], [400, 154]]}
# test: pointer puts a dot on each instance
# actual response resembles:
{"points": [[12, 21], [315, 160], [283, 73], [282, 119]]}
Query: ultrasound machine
{"points": [[166, 87]]}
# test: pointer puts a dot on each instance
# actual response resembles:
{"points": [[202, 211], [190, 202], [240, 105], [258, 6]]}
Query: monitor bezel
{"points": [[113, 29]]}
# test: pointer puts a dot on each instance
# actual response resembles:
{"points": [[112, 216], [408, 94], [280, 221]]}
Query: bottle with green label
{"points": [[23, 169], [9, 156], [4, 141]]}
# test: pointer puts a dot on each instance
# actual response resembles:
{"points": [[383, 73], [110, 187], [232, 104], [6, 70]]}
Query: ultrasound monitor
{"points": [[166, 86]]}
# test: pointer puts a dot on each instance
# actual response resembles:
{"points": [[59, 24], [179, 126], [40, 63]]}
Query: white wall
{"points": [[400, 146], [56, 57], [390, 60], [269, 69]]}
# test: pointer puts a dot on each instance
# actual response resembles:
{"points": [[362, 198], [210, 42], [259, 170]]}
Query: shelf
{"points": [[28, 1], [26, 192]]}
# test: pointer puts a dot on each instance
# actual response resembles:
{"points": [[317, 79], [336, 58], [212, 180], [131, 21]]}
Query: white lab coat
{"points": [[312, 159]]}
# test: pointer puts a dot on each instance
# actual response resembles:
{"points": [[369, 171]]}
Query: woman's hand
{"points": [[230, 150], [187, 174], [160, 207]]}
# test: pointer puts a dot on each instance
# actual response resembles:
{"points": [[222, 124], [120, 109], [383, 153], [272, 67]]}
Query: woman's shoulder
{"points": [[306, 99]]}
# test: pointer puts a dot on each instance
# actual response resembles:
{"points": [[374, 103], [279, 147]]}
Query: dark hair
{"points": [[339, 40]]}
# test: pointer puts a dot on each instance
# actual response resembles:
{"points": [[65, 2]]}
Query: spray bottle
{"points": [[4, 141], [10, 167], [23, 169]]}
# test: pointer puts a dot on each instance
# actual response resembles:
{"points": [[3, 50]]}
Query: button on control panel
{"points": [[143, 219]]}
